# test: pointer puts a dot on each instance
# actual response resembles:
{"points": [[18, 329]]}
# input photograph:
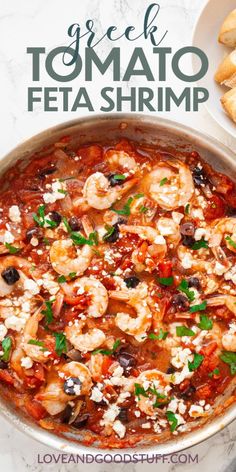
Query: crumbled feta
{"points": [[97, 395], [119, 429], [26, 362], [3, 331], [31, 286], [15, 323], [14, 214], [57, 192], [195, 411]]}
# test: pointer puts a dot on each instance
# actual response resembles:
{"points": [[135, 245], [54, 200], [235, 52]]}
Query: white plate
{"points": [[205, 37]]}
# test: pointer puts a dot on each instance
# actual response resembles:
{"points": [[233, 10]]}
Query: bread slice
{"points": [[229, 103], [226, 72], [227, 33]]}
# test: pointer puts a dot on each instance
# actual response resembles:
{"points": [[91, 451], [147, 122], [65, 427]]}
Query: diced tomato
{"points": [[165, 269], [6, 377], [35, 409], [215, 208], [209, 349], [107, 362], [81, 300], [142, 252], [204, 392]]}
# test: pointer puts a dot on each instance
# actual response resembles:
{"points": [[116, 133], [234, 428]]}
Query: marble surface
{"points": [[29, 23]]}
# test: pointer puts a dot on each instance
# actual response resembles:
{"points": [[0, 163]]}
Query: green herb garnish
{"points": [[161, 336], [197, 360], [172, 420], [187, 209], [205, 323], [66, 224], [110, 230], [119, 177], [200, 307], [231, 241], [48, 312], [184, 287], [40, 217], [12, 249], [64, 192], [6, 347], [108, 352], [61, 279], [143, 209], [214, 372], [37, 343], [230, 359], [167, 281], [184, 331], [199, 244], [138, 195], [80, 240], [163, 181], [60, 343], [126, 208]]}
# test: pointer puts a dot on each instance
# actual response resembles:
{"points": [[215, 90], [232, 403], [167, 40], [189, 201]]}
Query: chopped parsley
{"points": [[160, 398], [40, 219], [199, 244], [6, 347], [37, 343], [172, 420], [197, 360], [200, 307], [64, 192], [231, 241], [66, 224], [139, 390], [143, 209], [12, 249], [230, 359], [163, 181], [184, 287], [205, 323], [187, 209], [167, 281], [60, 343], [61, 279], [80, 240], [109, 231], [119, 177], [126, 208], [184, 331], [48, 312], [214, 372], [138, 195], [108, 352], [161, 336]]}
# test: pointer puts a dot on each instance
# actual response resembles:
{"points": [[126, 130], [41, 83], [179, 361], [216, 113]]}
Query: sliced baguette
{"points": [[226, 72], [227, 33], [229, 103]]}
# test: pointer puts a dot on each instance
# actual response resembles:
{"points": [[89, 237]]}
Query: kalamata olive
{"points": [[81, 421], [187, 229], [112, 238], [126, 360], [194, 282], [180, 302], [188, 392], [10, 275], [75, 223], [47, 171], [132, 282], [74, 355], [123, 415], [66, 414], [34, 232], [115, 181], [170, 370], [199, 177], [72, 386], [188, 241], [55, 217], [3, 365]]}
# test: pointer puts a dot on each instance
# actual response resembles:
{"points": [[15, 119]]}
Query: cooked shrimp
{"points": [[96, 366], [226, 227], [137, 299], [53, 397], [228, 300], [170, 184], [100, 195], [192, 262], [121, 160], [65, 259], [156, 381], [229, 339], [169, 229], [94, 289], [84, 342], [36, 353]]}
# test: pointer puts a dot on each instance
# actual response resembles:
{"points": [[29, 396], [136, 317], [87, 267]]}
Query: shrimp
{"points": [[144, 257], [95, 290], [53, 398], [100, 195], [84, 342], [228, 300], [190, 261], [225, 227], [137, 299], [96, 366], [16, 262], [170, 184], [169, 229], [157, 383], [36, 353], [62, 258], [229, 338], [121, 160]]}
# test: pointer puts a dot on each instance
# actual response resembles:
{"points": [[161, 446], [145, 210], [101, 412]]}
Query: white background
{"points": [[29, 23]]}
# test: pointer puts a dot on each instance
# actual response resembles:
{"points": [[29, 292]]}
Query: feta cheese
{"points": [[31, 286], [26, 362], [14, 214], [119, 429], [97, 395], [3, 331]]}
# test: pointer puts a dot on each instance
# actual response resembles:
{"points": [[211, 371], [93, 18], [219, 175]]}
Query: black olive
{"points": [[72, 386], [199, 177], [170, 370], [126, 360], [34, 232], [187, 229], [132, 282], [75, 223], [188, 241], [114, 234], [66, 414], [180, 302], [55, 217], [123, 415], [10, 275], [81, 421], [3, 365], [188, 392], [194, 282], [46, 171], [113, 181], [74, 355]]}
